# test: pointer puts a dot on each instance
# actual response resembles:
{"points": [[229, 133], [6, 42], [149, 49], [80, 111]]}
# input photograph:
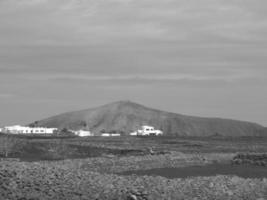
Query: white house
{"points": [[147, 130], [134, 133], [110, 134], [17, 129], [83, 133], [105, 135], [115, 134]]}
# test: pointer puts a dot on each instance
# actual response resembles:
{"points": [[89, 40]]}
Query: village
{"points": [[26, 130]]}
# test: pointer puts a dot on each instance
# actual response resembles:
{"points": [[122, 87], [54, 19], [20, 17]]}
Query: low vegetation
{"points": [[259, 159], [34, 148], [10, 145]]}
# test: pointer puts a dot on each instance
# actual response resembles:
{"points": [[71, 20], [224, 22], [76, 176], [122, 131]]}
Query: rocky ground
{"points": [[96, 175], [94, 178]]}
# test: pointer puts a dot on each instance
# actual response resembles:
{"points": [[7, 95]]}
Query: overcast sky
{"points": [[205, 58]]}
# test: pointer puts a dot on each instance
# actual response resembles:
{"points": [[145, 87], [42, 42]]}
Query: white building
{"points": [[105, 134], [83, 133], [110, 134], [134, 133], [17, 129], [115, 134], [147, 130]]}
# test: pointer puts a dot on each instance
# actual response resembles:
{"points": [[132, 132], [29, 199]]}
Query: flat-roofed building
{"points": [[17, 129], [147, 130], [110, 134], [83, 133]]}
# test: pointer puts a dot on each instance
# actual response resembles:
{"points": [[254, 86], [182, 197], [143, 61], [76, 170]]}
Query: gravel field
{"points": [[89, 179], [95, 171]]}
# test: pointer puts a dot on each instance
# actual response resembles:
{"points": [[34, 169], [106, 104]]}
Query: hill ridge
{"points": [[126, 116]]}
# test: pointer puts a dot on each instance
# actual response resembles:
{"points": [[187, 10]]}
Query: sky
{"points": [[204, 58]]}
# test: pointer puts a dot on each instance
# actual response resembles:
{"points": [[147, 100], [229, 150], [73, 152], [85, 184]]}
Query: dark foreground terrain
{"points": [[105, 168]]}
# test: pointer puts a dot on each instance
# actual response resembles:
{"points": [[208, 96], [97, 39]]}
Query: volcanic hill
{"points": [[126, 116]]}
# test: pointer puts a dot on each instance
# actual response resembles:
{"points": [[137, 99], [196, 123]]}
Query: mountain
{"points": [[127, 116]]}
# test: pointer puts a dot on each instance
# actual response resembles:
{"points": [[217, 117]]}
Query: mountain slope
{"points": [[127, 116]]}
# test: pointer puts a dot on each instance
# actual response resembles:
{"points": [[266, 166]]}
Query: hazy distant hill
{"points": [[127, 116]]}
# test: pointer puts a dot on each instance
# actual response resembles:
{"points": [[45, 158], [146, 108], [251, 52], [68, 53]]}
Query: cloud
{"points": [[6, 95], [234, 76], [82, 22]]}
